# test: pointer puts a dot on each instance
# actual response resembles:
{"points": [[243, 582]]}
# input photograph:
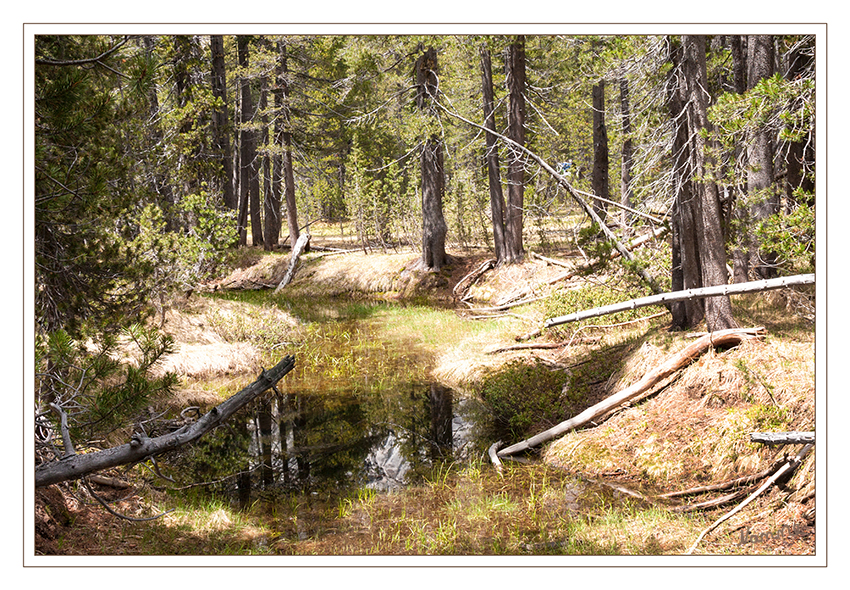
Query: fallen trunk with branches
{"points": [[74, 465], [675, 362]]}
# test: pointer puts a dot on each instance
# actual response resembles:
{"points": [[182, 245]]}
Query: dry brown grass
{"points": [[697, 429]]}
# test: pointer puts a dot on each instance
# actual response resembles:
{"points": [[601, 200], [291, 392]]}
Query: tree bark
{"points": [[599, 179], [497, 198], [285, 121], [686, 270], [271, 200], [760, 149], [516, 166], [668, 367], [221, 119], [712, 254], [626, 193], [431, 165], [141, 447], [249, 185]]}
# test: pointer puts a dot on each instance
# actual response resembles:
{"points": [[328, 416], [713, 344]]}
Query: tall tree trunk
{"points": [[626, 193], [246, 136], [220, 120], [497, 199], [740, 212], [285, 132], [686, 269], [515, 74], [249, 170], [431, 163], [712, 254], [760, 149], [271, 200], [599, 179]]}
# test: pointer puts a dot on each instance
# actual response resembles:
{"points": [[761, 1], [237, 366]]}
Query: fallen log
{"points": [[735, 483], [541, 345], [466, 282], [141, 446], [789, 465], [782, 438], [300, 244], [664, 298], [673, 363]]}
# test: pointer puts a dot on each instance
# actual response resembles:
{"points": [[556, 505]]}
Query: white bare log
{"points": [[300, 244], [664, 298], [782, 438], [141, 447], [668, 367]]}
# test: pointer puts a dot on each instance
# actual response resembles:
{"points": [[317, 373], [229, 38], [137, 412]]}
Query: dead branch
{"points": [[141, 446], [735, 483], [789, 465], [466, 282], [570, 190], [494, 457], [542, 345], [669, 366]]}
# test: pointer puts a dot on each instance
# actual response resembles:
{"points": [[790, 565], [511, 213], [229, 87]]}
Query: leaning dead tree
{"points": [[665, 369], [688, 294], [624, 252], [300, 245], [74, 465]]}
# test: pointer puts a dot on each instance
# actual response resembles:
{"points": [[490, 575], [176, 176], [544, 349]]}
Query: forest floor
{"points": [[692, 431]]}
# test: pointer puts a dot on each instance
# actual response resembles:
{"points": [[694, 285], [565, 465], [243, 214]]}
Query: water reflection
{"points": [[383, 440]]}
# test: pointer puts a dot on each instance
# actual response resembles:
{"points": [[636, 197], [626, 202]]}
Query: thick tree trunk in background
{"points": [[626, 195], [515, 74], [286, 139], [712, 253], [247, 151], [431, 165], [686, 271], [249, 184], [599, 179], [220, 120], [271, 201], [497, 198], [760, 149], [740, 212]]}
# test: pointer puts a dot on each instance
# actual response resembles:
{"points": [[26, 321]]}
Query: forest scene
{"points": [[423, 295]]}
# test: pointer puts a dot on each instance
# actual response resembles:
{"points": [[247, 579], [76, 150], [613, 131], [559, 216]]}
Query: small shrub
{"points": [[523, 396]]}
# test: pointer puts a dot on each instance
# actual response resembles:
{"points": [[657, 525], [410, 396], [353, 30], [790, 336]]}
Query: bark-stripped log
{"points": [[688, 294], [669, 366]]}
